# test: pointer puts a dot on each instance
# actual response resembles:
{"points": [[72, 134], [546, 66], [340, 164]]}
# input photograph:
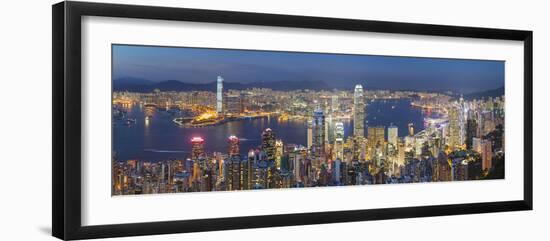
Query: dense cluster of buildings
{"points": [[465, 141]]}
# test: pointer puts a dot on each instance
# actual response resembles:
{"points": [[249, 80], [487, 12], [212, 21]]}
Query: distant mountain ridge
{"points": [[133, 81], [144, 86], [485, 94]]}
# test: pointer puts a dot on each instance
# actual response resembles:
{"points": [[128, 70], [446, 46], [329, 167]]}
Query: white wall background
{"points": [[25, 119]]}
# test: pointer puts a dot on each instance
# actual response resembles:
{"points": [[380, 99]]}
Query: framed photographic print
{"points": [[170, 120]]}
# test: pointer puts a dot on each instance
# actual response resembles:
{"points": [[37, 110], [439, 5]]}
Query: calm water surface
{"points": [[161, 139]]}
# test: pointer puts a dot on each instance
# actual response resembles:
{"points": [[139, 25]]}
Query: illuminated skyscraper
{"points": [[318, 126], [462, 117], [400, 153], [248, 178], [219, 96], [358, 148], [234, 172], [197, 147], [442, 168], [278, 152], [486, 154], [454, 127], [375, 141], [411, 129], [392, 135], [376, 135], [296, 159], [233, 145], [359, 112], [339, 140], [309, 134], [268, 144], [471, 132]]}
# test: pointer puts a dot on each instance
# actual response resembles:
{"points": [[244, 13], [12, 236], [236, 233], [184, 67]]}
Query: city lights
{"points": [[457, 139]]}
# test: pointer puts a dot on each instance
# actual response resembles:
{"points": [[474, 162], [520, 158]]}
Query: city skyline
{"points": [[199, 65], [222, 138]]}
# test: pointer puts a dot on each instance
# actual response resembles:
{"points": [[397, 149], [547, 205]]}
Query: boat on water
{"points": [[180, 121], [130, 121], [118, 114]]}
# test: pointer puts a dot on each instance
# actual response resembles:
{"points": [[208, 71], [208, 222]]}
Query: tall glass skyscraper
{"points": [[454, 127], [339, 140], [309, 134], [233, 145], [219, 96], [318, 129], [268, 144], [392, 135], [197, 149], [358, 112]]}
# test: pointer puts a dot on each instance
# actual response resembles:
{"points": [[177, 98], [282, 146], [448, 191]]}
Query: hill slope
{"points": [[176, 85]]}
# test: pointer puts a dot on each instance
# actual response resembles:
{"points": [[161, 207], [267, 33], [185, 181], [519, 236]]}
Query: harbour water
{"points": [[160, 138]]}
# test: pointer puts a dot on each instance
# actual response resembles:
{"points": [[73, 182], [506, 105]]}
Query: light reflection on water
{"points": [[160, 133]]}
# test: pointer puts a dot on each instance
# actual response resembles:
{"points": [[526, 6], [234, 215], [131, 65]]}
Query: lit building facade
{"points": [[486, 154], [197, 148], [339, 140], [411, 129], [309, 134], [233, 145], [359, 112], [318, 128], [375, 141], [219, 96], [268, 144], [454, 128], [334, 103], [330, 158], [393, 135], [234, 104]]}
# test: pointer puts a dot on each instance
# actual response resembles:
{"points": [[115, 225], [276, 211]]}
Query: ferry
{"points": [[180, 121], [130, 121]]}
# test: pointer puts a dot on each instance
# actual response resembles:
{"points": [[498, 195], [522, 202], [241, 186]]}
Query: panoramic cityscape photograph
{"points": [[187, 119]]}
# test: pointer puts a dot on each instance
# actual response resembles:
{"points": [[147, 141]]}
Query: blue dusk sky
{"points": [[342, 71]]}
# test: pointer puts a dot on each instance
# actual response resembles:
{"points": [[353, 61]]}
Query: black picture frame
{"points": [[66, 75]]}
